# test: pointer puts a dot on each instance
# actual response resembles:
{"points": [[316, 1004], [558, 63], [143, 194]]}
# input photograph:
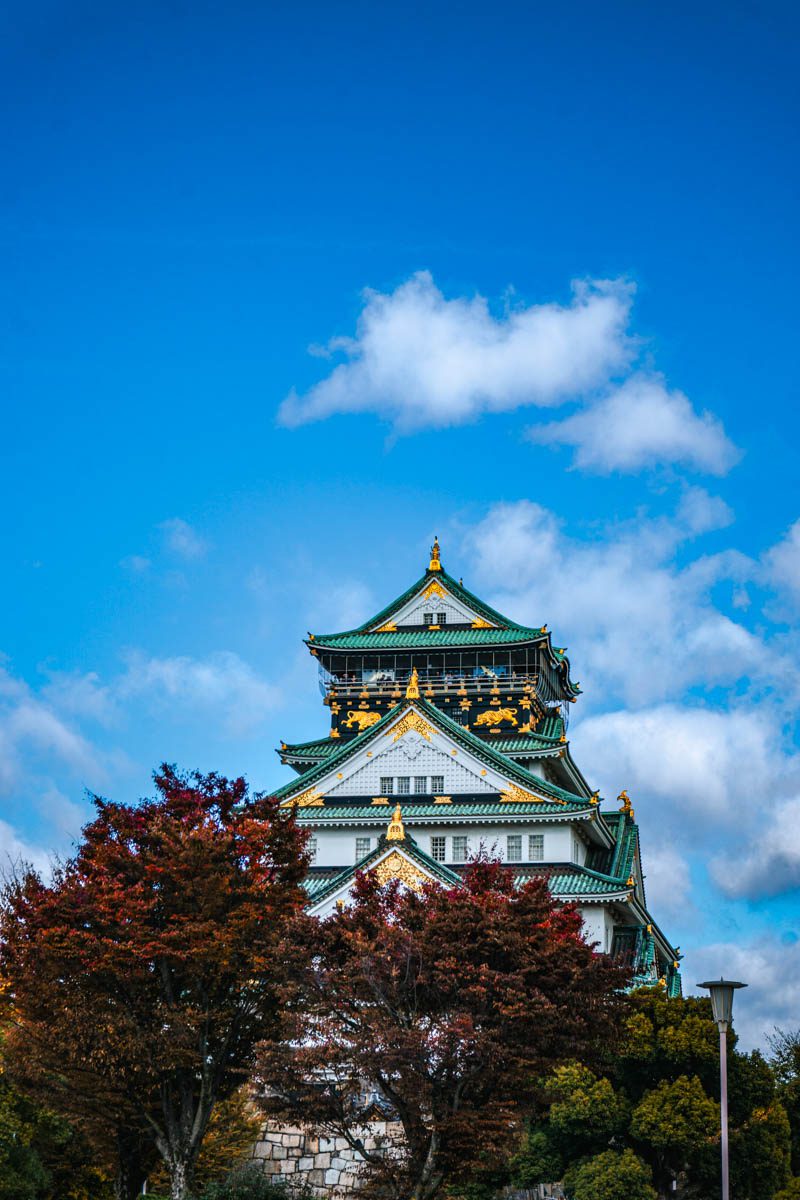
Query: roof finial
{"points": [[435, 564], [396, 831], [627, 807], [412, 691]]}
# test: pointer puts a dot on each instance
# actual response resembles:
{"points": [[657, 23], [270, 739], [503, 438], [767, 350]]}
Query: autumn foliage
{"points": [[443, 1008], [141, 978]]}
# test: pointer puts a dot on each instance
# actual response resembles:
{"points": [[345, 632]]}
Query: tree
{"points": [[146, 972], [658, 1096], [785, 1056], [442, 1006], [612, 1176]]}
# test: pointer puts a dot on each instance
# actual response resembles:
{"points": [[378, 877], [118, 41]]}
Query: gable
{"points": [[433, 599], [407, 746]]}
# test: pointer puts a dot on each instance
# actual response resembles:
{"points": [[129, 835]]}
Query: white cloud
{"points": [[421, 360], [222, 683], [14, 851], [701, 762], [181, 539], [771, 969], [646, 624], [30, 725], [768, 864], [668, 885], [641, 424], [782, 564]]}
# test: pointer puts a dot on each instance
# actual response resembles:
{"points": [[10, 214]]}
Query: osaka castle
{"points": [[449, 734]]}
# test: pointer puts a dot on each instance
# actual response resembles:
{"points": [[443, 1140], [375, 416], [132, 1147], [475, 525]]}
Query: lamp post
{"points": [[722, 1009]]}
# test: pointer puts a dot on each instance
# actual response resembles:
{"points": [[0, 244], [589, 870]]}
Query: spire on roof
{"points": [[435, 564], [396, 831]]}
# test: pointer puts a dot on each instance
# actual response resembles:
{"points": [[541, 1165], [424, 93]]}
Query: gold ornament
{"points": [[435, 564], [491, 717], [389, 627], [434, 588], [397, 866], [411, 720], [412, 690], [364, 720], [309, 799], [479, 623], [396, 830], [626, 804]]}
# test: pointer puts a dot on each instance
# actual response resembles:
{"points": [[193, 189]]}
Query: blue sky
{"points": [[545, 262]]}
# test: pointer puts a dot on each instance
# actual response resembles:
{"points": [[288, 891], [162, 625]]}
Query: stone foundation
{"points": [[304, 1157]]}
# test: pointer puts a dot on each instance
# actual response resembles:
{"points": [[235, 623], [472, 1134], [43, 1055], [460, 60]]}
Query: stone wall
{"points": [[302, 1156]]}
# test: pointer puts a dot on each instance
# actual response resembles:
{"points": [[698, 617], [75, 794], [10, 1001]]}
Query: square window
{"points": [[460, 848], [362, 847], [438, 848], [437, 783], [535, 847], [404, 784], [441, 618], [420, 784], [427, 618], [387, 785], [514, 847], [311, 846]]}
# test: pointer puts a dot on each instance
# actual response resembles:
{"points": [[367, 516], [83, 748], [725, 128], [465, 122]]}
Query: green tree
{"points": [[659, 1097], [785, 1061], [611, 1176]]}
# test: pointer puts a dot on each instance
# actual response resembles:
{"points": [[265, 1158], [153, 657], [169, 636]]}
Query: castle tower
{"points": [[456, 717]]}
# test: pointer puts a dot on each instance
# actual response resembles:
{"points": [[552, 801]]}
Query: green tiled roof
{"points": [[520, 744], [318, 748], [332, 812], [414, 639], [483, 751]]}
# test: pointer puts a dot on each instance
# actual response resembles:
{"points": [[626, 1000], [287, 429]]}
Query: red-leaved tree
{"points": [[141, 978], [445, 1006]]}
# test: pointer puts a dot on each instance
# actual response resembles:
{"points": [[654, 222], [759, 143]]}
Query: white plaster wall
{"points": [[337, 847], [413, 612], [598, 923]]}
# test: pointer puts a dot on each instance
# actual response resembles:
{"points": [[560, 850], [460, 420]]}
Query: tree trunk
{"points": [[131, 1165], [179, 1180]]}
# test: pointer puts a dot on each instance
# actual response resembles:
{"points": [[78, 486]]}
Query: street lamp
{"points": [[722, 1009]]}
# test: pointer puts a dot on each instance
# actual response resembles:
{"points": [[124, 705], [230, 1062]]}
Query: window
{"points": [[420, 784], [437, 783], [438, 848], [514, 847], [312, 848], [441, 618], [535, 847], [362, 847], [387, 785], [427, 618], [460, 849], [576, 850], [404, 784]]}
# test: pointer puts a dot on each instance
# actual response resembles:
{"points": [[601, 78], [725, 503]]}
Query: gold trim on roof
{"points": [[389, 627], [397, 866], [307, 799], [513, 794], [411, 720], [479, 623], [434, 588]]}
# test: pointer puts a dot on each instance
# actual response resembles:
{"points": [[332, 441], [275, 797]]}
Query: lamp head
{"points": [[722, 999]]}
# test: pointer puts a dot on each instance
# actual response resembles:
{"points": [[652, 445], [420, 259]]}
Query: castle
{"points": [[448, 732]]}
